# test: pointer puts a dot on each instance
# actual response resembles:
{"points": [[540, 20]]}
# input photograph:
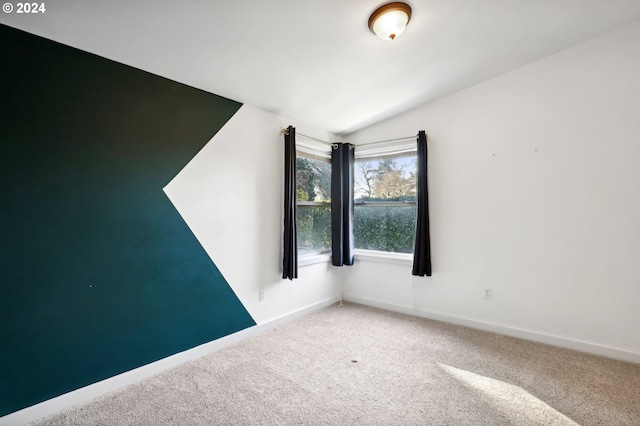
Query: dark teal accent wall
{"points": [[99, 274]]}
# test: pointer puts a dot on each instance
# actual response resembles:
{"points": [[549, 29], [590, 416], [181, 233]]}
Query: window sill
{"points": [[365, 255], [313, 258], [384, 257]]}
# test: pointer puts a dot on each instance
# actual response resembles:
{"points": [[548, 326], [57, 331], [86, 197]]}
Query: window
{"points": [[385, 202], [313, 189]]}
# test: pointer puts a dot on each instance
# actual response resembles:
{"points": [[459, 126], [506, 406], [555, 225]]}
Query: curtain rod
{"points": [[407, 138], [333, 145]]}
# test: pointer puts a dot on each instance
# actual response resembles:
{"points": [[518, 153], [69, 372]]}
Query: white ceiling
{"points": [[315, 60]]}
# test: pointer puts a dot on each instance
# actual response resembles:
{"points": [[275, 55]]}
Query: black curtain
{"points": [[422, 249], [290, 257], [342, 159]]}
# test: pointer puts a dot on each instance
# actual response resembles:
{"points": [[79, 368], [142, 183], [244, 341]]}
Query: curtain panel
{"points": [[342, 168], [290, 239], [422, 247]]}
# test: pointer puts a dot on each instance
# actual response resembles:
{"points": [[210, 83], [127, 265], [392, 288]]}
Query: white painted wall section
{"points": [[534, 193], [230, 195]]}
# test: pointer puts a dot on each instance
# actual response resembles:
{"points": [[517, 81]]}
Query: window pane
{"points": [[313, 185], [386, 179], [385, 227], [313, 179], [314, 228]]}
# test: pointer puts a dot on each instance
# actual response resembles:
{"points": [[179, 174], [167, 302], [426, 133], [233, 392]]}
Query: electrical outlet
{"points": [[261, 295], [488, 293]]}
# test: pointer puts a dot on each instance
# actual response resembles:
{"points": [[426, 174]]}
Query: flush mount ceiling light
{"points": [[389, 20]]}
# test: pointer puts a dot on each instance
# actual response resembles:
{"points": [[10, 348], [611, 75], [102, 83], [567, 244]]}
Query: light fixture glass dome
{"points": [[390, 20]]}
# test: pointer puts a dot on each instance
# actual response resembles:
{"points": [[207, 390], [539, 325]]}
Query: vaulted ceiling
{"points": [[315, 60]]}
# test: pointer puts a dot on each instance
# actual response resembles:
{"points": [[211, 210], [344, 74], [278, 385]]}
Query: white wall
{"points": [[535, 193], [230, 195]]}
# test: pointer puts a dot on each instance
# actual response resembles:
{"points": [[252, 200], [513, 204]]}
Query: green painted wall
{"points": [[99, 274]]}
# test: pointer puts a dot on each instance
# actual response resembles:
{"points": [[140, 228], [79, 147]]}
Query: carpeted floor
{"points": [[356, 365]]}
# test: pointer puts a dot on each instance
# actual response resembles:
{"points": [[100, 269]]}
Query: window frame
{"points": [[314, 151], [381, 151]]}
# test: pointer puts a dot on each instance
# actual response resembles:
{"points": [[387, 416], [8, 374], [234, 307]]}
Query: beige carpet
{"points": [[355, 365]]}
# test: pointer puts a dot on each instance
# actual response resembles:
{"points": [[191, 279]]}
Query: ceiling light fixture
{"points": [[389, 20]]}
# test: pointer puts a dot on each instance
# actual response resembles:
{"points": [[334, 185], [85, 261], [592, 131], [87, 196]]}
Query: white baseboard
{"points": [[87, 393], [501, 329]]}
